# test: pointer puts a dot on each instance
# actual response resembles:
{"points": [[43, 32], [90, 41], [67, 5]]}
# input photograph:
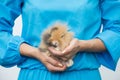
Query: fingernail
{"points": [[63, 52], [60, 64]]}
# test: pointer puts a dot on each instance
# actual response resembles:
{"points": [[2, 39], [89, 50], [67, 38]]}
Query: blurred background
{"points": [[12, 73]]}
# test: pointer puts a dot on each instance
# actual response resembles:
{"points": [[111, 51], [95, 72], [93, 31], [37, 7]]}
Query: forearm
{"points": [[27, 50], [93, 45]]}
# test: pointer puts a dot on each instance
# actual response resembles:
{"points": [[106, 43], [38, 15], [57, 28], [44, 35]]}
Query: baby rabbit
{"points": [[56, 36]]}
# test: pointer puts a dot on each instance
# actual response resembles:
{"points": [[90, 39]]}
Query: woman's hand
{"points": [[51, 64], [69, 51]]}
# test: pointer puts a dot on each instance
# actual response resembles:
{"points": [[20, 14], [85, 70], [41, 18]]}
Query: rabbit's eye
{"points": [[62, 35]]}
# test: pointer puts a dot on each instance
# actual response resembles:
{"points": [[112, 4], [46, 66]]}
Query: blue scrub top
{"points": [[84, 18]]}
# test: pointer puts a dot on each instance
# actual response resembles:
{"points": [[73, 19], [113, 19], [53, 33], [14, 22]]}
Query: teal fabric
{"points": [[84, 18], [37, 74]]}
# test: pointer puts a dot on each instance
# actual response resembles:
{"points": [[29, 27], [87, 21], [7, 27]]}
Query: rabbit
{"points": [[57, 36]]}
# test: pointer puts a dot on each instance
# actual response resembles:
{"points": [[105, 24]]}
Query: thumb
{"points": [[69, 47], [67, 50]]}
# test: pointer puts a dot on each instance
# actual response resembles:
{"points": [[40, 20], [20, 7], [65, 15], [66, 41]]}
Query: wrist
{"points": [[83, 44], [93, 45], [27, 50]]}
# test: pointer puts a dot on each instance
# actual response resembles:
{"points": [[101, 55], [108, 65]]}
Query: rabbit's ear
{"points": [[46, 36], [71, 34], [53, 29]]}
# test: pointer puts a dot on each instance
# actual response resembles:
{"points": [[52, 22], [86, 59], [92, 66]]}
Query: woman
{"points": [[84, 18]]}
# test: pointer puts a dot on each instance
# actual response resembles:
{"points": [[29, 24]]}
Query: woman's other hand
{"points": [[93, 45], [69, 51], [51, 64]]}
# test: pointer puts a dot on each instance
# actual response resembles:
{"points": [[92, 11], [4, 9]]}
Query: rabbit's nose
{"points": [[55, 43]]}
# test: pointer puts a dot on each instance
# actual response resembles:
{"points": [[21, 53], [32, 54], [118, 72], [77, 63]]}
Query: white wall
{"points": [[12, 73], [109, 74]]}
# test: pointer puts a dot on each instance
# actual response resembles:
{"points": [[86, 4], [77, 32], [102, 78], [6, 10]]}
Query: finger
{"points": [[70, 47], [53, 68], [55, 52], [64, 58], [54, 62], [70, 55]]}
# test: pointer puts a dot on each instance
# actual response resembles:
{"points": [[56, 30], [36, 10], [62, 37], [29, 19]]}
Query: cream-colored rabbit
{"points": [[58, 37]]}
